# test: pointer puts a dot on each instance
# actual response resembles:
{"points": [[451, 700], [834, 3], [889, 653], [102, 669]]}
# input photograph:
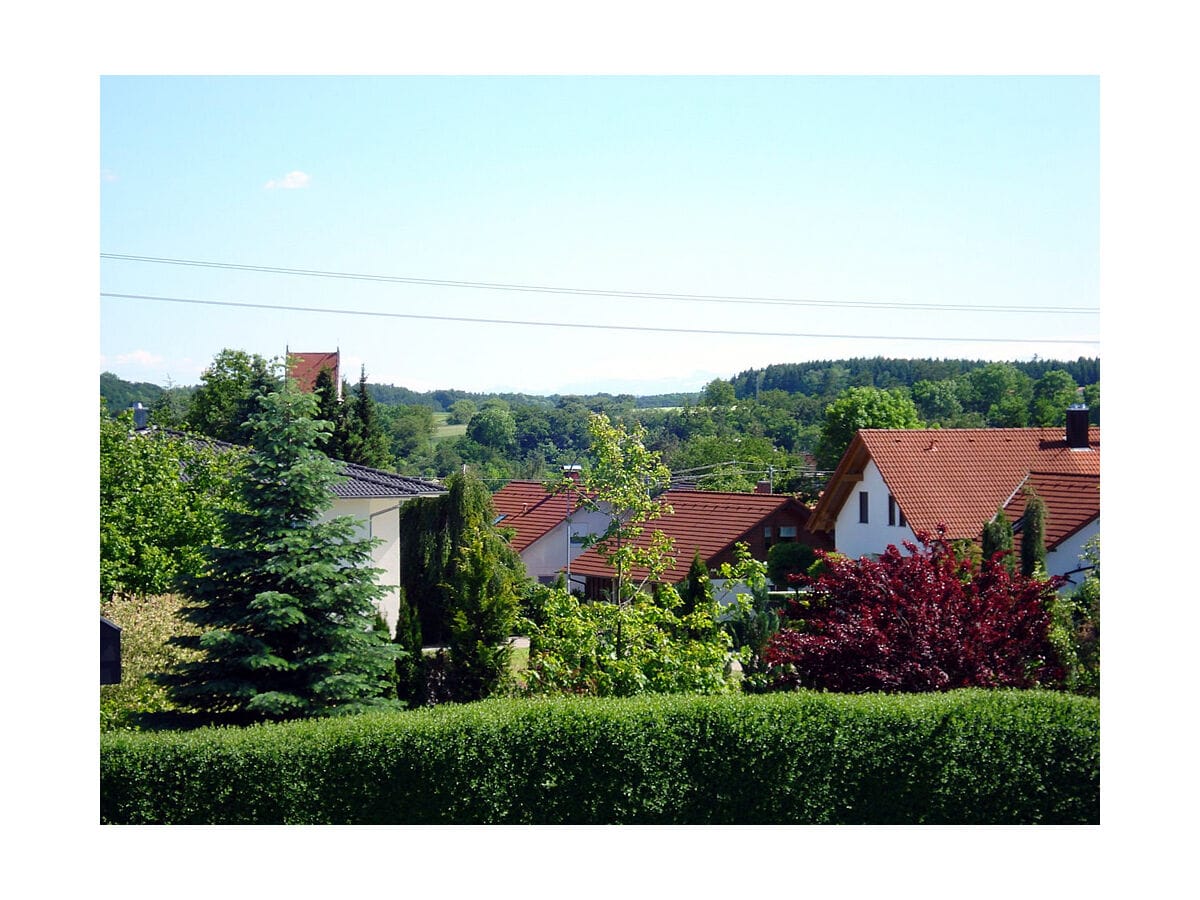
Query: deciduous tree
{"points": [[160, 502], [228, 397], [862, 407], [644, 639]]}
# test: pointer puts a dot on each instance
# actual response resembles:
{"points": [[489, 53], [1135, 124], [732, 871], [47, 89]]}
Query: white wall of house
{"points": [[378, 518], [1066, 556], [854, 538], [549, 554]]}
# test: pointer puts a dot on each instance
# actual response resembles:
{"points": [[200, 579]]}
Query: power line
{"points": [[591, 325], [596, 292]]}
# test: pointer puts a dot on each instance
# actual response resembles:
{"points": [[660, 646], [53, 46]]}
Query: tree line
{"points": [[780, 424]]}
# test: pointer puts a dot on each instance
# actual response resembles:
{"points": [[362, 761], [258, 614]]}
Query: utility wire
{"points": [[591, 325], [595, 292]]}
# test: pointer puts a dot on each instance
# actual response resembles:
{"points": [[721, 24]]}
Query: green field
{"points": [[443, 430]]}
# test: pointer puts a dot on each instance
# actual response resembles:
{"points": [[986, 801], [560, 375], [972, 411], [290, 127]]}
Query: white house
{"points": [[891, 483], [549, 528], [374, 498]]}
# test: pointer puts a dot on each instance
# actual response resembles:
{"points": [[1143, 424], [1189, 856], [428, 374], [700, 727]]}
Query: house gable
{"points": [[958, 478]]}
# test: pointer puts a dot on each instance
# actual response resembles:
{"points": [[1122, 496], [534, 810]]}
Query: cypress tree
{"points": [[409, 669], [1033, 538], [697, 590], [461, 579], [286, 604], [998, 536]]}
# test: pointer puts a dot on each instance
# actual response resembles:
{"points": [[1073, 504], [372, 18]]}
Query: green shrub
{"points": [[146, 623], [968, 757]]}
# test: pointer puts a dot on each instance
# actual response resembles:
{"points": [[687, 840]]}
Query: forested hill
{"points": [[830, 377], [823, 379]]}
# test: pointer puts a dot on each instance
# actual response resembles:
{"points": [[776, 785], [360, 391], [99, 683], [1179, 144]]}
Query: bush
{"points": [[925, 620], [966, 757], [146, 626], [619, 650], [785, 560]]}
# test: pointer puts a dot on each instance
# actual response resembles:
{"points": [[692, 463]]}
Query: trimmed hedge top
{"points": [[966, 757]]}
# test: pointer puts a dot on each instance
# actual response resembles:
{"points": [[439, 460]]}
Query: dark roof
{"points": [[357, 482], [360, 482]]}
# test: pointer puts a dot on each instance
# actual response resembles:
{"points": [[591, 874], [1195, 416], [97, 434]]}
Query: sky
{"points": [[834, 217]]}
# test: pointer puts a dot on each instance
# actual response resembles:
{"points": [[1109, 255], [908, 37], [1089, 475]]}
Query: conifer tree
{"points": [[697, 589], [331, 410], [366, 442], [1033, 537], [461, 577], [409, 673], [286, 604], [997, 537]]}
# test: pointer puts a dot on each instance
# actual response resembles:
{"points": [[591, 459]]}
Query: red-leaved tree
{"points": [[927, 620]]}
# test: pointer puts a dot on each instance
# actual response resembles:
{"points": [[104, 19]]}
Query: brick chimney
{"points": [[573, 472], [1077, 427], [763, 487]]}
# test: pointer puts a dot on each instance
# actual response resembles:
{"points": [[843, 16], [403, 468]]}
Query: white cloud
{"points": [[138, 358], [289, 182]]}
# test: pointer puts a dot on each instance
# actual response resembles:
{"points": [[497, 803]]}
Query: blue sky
{"points": [[922, 193]]}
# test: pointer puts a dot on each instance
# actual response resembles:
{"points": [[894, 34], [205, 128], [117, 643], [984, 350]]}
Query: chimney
{"points": [[572, 472], [141, 415], [763, 487], [1077, 427]]}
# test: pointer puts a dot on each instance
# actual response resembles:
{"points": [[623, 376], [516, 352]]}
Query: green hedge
{"points": [[804, 758]]}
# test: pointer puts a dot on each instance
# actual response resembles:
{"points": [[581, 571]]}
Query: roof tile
{"points": [[957, 477], [708, 521]]}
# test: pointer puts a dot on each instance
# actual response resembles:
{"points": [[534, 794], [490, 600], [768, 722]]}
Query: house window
{"points": [[891, 510], [787, 532], [768, 532], [863, 516]]}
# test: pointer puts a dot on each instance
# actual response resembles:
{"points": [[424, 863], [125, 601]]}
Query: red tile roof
{"points": [[958, 477], [1072, 501], [707, 521], [530, 510], [305, 367]]}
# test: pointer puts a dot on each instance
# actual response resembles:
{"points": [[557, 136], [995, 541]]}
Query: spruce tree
{"points": [[1033, 538], [286, 604], [997, 537], [366, 443], [331, 410]]}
